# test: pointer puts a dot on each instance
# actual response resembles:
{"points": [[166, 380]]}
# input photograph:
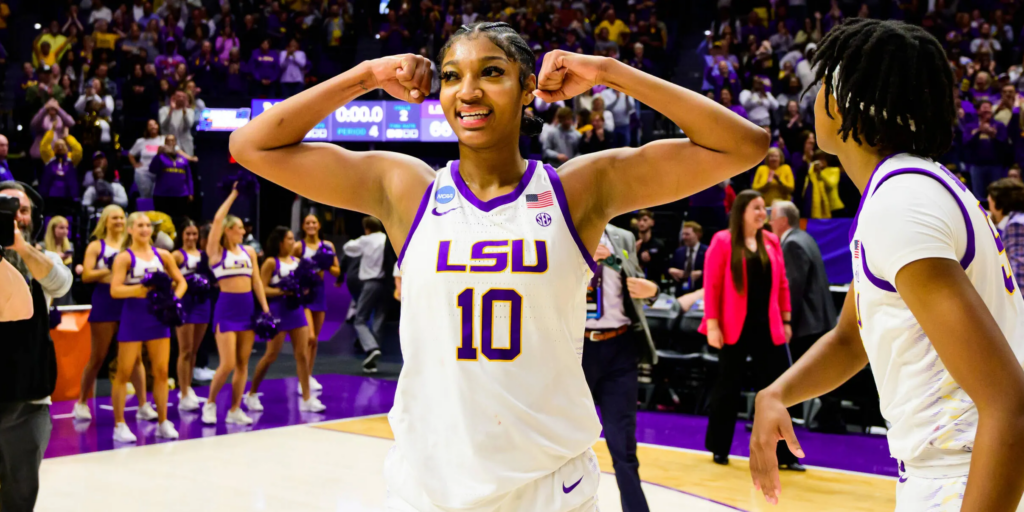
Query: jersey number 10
{"points": [[467, 349]]}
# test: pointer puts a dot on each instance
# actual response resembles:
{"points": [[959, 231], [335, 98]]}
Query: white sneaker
{"points": [[187, 403], [252, 402], [122, 434], [210, 413], [192, 394], [145, 412], [314, 385], [237, 417], [166, 430], [82, 412], [312, 405]]}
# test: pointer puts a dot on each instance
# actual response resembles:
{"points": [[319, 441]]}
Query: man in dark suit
{"points": [[814, 314], [687, 266]]}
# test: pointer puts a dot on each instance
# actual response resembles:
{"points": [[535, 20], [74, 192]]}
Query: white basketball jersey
{"points": [[913, 208], [492, 394]]}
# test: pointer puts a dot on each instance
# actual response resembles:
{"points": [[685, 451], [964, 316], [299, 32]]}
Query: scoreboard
{"points": [[374, 121]]}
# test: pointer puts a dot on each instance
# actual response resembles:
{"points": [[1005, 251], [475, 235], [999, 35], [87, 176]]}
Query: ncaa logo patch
{"points": [[543, 219], [445, 194]]}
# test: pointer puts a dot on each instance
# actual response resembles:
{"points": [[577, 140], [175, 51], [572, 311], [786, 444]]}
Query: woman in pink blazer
{"points": [[746, 313]]}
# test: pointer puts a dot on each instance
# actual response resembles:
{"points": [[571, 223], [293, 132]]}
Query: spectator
{"points": [[774, 179], [5, 168], [604, 45], [782, 40], [640, 62], [265, 69], [597, 138], [618, 32], [725, 97], [95, 91], [49, 118], [250, 239], [168, 61], [623, 109], [814, 313], [651, 250], [597, 110], [394, 37], [234, 80], [759, 103], [792, 126], [177, 119], [46, 146], [821, 191], [1014, 172], [687, 265], [139, 101], [206, 67], [29, 280], [141, 156], [59, 180], [99, 12], [1008, 102], [44, 88], [985, 142], [982, 89], [173, 189], [562, 143], [104, 38], [56, 45], [985, 40], [226, 41], [100, 192], [56, 240], [746, 313], [722, 76], [293, 69], [1006, 204]]}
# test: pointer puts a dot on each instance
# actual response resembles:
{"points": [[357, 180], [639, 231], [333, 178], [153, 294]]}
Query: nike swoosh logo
{"points": [[435, 212], [569, 489]]}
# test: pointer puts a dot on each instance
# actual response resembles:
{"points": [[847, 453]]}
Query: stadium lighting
{"points": [[38, 26]]}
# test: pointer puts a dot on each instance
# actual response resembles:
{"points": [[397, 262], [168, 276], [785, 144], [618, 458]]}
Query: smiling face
{"points": [[60, 231], [141, 229], [755, 215], [311, 225], [235, 232], [481, 93], [115, 222], [287, 244], [190, 237]]}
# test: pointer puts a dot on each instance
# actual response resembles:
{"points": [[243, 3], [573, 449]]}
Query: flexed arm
{"points": [[213, 247]]}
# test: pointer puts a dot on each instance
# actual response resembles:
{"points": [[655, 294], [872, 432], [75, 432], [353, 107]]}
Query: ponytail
{"points": [[530, 126]]}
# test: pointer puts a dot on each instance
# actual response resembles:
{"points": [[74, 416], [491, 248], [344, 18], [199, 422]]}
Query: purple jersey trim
{"points": [[863, 197], [502, 200], [563, 205], [415, 222], [968, 253]]}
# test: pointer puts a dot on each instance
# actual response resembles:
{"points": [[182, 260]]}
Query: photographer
{"points": [[29, 280]]}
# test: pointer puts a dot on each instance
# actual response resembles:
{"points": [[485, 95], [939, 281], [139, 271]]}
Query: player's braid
{"points": [[895, 85]]}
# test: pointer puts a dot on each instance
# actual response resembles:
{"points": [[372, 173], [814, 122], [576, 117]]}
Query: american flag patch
{"points": [[542, 200], [856, 249]]}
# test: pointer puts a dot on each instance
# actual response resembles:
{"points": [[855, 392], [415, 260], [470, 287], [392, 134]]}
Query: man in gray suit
{"points": [[617, 339], [814, 313]]}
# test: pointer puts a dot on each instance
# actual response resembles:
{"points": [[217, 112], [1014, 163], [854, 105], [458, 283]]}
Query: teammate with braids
{"points": [[492, 411], [933, 305]]}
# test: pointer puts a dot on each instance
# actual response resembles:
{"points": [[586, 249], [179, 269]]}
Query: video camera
{"points": [[9, 207]]}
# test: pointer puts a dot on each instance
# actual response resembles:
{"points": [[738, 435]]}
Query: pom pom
{"points": [[244, 181], [309, 279], [293, 291], [199, 287], [204, 268], [157, 281], [166, 307], [265, 326], [55, 317], [324, 257]]}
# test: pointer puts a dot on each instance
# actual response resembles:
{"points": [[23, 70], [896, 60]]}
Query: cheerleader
{"points": [[317, 309], [197, 313], [106, 311], [232, 265], [139, 325], [291, 320]]}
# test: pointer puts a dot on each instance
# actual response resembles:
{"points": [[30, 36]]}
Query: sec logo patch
{"points": [[543, 219]]}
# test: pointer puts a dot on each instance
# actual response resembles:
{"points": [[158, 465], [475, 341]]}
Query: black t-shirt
{"points": [[759, 291], [659, 255]]}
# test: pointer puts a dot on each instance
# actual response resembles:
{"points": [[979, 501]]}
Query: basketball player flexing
{"points": [[492, 411], [933, 306]]}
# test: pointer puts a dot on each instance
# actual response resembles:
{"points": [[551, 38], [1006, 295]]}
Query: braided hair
{"points": [[509, 41], [893, 85]]}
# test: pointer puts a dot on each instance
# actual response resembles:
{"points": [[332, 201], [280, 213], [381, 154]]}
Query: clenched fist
{"points": [[564, 75], [406, 77]]}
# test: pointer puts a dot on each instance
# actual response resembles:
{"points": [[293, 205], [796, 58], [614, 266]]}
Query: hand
{"points": [[789, 331], [562, 158], [715, 338], [817, 15], [645, 257], [565, 75], [676, 274], [602, 253], [79, 269], [771, 424], [640, 288], [405, 77], [697, 274]]}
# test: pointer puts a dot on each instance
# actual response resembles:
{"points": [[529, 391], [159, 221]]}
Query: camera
{"points": [[8, 210]]}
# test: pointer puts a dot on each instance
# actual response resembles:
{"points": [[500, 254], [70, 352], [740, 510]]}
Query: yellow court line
{"points": [[694, 473]]}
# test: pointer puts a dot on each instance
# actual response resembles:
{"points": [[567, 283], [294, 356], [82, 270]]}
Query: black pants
{"points": [[24, 434], [611, 370], [769, 362]]}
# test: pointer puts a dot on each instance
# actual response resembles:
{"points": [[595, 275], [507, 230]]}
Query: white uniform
{"points": [[912, 209], [493, 412]]}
